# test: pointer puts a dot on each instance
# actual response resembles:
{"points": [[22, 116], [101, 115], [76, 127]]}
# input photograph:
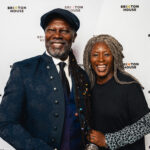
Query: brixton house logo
{"points": [[41, 38], [130, 65], [129, 7], [16, 9], [76, 8]]}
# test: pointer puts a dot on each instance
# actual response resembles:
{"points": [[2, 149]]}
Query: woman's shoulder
{"points": [[125, 77], [129, 79]]}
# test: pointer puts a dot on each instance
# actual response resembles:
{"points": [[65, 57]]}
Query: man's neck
{"points": [[57, 60], [62, 59]]}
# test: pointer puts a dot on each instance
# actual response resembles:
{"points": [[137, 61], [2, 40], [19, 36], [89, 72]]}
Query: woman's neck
{"points": [[103, 80]]}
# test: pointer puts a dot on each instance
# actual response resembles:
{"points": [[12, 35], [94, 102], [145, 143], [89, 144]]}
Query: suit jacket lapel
{"points": [[54, 78]]}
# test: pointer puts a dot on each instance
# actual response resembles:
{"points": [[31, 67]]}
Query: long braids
{"points": [[116, 50], [82, 86]]}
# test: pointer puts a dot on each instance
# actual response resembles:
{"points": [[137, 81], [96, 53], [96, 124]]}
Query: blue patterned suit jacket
{"points": [[33, 106]]}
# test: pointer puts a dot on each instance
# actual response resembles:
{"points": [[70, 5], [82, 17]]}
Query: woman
{"points": [[120, 115]]}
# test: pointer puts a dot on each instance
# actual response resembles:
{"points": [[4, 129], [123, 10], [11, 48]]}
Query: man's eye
{"points": [[65, 31], [50, 30]]}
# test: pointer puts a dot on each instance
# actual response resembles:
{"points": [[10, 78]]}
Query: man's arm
{"points": [[11, 114]]}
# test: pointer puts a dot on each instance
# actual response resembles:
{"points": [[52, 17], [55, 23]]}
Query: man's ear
{"points": [[74, 36]]}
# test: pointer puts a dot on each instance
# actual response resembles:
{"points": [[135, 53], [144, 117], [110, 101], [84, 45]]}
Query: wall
{"points": [[128, 21]]}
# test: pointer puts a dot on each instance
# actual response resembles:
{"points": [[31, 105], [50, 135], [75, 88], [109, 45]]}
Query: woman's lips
{"points": [[101, 68]]}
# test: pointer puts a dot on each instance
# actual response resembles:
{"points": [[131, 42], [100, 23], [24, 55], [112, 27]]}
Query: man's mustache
{"points": [[57, 41]]}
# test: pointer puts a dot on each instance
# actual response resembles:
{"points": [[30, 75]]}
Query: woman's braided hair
{"points": [[116, 50]]}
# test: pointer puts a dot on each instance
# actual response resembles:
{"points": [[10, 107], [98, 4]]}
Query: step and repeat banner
{"points": [[128, 21]]}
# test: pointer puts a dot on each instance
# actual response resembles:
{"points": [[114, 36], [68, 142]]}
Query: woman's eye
{"points": [[106, 54], [94, 54]]}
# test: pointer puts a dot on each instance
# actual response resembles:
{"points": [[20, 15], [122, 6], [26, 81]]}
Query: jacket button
{"points": [[56, 101], [56, 114], [48, 67], [55, 88], [51, 77], [53, 140], [55, 128]]}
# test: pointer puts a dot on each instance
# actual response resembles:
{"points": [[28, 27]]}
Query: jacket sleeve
{"points": [[129, 134], [11, 108]]}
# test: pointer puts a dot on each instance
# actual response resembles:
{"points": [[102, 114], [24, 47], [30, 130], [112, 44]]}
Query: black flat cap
{"points": [[69, 17]]}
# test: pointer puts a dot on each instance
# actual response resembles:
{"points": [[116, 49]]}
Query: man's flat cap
{"points": [[69, 17]]}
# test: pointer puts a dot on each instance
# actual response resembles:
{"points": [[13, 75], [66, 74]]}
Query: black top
{"points": [[115, 106]]}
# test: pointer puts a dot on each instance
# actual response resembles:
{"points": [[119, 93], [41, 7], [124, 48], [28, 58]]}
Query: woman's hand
{"points": [[97, 138]]}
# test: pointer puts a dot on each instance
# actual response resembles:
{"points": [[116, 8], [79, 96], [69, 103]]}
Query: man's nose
{"points": [[57, 34]]}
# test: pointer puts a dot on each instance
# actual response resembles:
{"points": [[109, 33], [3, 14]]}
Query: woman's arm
{"points": [[129, 134]]}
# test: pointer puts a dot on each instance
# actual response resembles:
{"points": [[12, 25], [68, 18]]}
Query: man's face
{"points": [[58, 38]]}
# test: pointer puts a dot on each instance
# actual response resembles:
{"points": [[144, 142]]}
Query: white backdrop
{"points": [[128, 21]]}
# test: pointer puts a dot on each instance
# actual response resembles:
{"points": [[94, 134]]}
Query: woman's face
{"points": [[102, 61]]}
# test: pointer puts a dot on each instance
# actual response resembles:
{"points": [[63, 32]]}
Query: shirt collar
{"points": [[57, 60]]}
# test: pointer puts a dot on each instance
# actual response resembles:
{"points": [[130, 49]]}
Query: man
{"points": [[43, 107]]}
